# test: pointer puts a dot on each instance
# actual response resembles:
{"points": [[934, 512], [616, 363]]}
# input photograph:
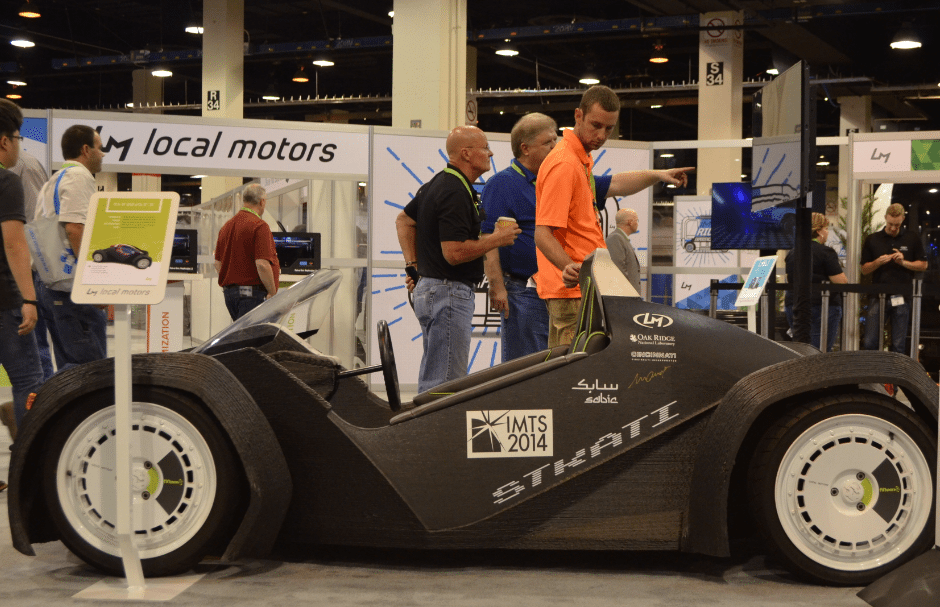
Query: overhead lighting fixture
{"points": [[590, 80], [906, 38], [300, 76], [195, 28], [323, 62], [507, 51], [271, 93], [14, 95], [773, 71], [667, 155], [656, 106], [161, 72], [658, 55], [822, 163], [932, 190], [391, 14], [22, 41], [30, 11], [16, 80]]}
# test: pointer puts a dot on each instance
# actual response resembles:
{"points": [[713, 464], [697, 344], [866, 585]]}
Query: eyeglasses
{"points": [[19, 137]]}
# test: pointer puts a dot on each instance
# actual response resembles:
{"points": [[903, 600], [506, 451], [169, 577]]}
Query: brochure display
{"points": [[124, 259]]}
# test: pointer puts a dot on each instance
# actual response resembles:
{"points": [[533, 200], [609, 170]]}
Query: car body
{"points": [[123, 253], [655, 430]]}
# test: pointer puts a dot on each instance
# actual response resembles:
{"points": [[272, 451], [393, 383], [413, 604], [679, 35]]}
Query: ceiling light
{"points": [[271, 93], [507, 51], [932, 190], [667, 155], [590, 80], [161, 72], [195, 28], [30, 11], [822, 163], [300, 76], [22, 41], [14, 95], [658, 55], [323, 62], [391, 14], [905, 38], [656, 106], [773, 71], [16, 80]]}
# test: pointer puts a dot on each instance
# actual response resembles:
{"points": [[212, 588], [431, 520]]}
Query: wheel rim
{"points": [[853, 492], [173, 480]]}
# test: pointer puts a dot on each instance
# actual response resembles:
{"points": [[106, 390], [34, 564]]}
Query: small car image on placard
{"points": [[123, 253]]}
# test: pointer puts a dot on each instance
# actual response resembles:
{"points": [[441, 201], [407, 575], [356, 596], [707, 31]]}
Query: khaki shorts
{"points": [[562, 320]]}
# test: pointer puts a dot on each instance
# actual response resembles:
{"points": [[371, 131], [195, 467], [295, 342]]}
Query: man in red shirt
{"points": [[245, 257], [567, 225]]}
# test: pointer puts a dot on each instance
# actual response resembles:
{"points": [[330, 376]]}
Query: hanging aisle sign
{"points": [[162, 145], [126, 248]]}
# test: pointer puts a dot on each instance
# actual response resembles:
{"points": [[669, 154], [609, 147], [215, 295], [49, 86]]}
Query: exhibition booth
{"points": [[344, 185]]}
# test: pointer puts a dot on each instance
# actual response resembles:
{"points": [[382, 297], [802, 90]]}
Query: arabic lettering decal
{"points": [[647, 378], [582, 385]]}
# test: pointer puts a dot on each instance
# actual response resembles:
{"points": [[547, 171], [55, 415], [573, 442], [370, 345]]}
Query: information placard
{"points": [[126, 248], [756, 281]]}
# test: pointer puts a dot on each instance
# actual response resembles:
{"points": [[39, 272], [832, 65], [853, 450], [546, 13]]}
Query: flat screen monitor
{"points": [[185, 250], [298, 252]]}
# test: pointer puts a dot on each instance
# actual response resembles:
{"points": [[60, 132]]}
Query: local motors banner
{"points": [[165, 145]]}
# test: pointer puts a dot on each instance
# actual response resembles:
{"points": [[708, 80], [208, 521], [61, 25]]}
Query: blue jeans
{"points": [[899, 317], [445, 312], [238, 305], [815, 326], [79, 331], [526, 329], [20, 358], [43, 324]]}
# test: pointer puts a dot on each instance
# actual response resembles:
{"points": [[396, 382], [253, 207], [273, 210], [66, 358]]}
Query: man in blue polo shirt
{"points": [[511, 193]]}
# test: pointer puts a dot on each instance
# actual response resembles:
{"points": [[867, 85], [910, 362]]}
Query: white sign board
{"points": [[756, 281], [126, 248]]}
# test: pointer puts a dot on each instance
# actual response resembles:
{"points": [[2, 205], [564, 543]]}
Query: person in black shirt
{"points": [[826, 266], [18, 306], [439, 233], [892, 255]]}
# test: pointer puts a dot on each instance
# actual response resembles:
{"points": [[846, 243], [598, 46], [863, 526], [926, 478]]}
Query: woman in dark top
{"points": [[826, 266]]}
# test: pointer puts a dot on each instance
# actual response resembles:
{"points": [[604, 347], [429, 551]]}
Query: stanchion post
{"points": [[123, 397]]}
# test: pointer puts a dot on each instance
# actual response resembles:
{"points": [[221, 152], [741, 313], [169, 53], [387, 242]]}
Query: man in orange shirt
{"points": [[567, 225]]}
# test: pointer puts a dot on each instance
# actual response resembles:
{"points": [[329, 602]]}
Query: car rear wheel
{"points": [[185, 482], [143, 263], [98, 257], [843, 488]]}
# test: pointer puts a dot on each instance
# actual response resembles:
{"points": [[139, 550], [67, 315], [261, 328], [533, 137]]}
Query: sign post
{"points": [[124, 260]]}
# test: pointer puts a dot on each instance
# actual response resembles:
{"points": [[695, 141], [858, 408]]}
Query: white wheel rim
{"points": [[838, 464], [170, 461]]}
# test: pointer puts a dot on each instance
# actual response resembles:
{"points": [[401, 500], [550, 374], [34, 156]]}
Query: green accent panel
{"points": [[4, 378], [925, 155]]}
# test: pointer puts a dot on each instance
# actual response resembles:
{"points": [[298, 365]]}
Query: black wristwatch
{"points": [[31, 301]]}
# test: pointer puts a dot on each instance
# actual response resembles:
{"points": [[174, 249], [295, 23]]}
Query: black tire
{"points": [[690, 246], [189, 500], [97, 257], [389, 369], [143, 263], [843, 488]]}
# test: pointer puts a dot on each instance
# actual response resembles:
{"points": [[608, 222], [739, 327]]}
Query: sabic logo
{"points": [[659, 321]]}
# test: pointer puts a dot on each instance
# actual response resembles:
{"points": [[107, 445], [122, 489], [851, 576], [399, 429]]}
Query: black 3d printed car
{"points": [[652, 431], [123, 253]]}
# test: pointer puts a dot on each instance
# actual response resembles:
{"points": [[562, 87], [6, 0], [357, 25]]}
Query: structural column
{"points": [[429, 64], [721, 68]]}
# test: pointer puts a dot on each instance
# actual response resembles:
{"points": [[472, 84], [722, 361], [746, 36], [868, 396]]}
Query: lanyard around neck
{"points": [[516, 168], [463, 180], [252, 212]]}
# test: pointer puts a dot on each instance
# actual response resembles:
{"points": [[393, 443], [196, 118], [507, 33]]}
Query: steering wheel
{"points": [[389, 370]]}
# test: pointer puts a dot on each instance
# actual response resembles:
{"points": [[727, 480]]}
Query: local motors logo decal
{"points": [[652, 321], [523, 433]]}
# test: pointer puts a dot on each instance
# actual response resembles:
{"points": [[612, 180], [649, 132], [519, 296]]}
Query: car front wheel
{"points": [[843, 488], [185, 482]]}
